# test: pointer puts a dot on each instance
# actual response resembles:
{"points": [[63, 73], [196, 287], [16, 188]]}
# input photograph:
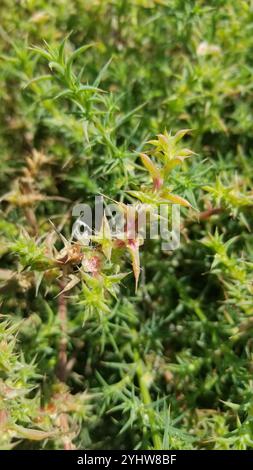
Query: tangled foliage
{"points": [[118, 343]]}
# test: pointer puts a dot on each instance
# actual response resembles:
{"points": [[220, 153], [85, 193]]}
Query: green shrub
{"points": [[118, 343]]}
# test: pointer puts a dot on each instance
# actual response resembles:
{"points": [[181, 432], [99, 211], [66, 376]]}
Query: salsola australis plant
{"points": [[22, 414], [86, 276], [130, 330]]}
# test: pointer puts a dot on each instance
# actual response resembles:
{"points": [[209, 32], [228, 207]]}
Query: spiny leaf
{"points": [[32, 434], [150, 166], [37, 79], [133, 248]]}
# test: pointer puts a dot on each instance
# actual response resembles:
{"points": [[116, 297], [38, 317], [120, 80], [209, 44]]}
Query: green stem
{"points": [[146, 398]]}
